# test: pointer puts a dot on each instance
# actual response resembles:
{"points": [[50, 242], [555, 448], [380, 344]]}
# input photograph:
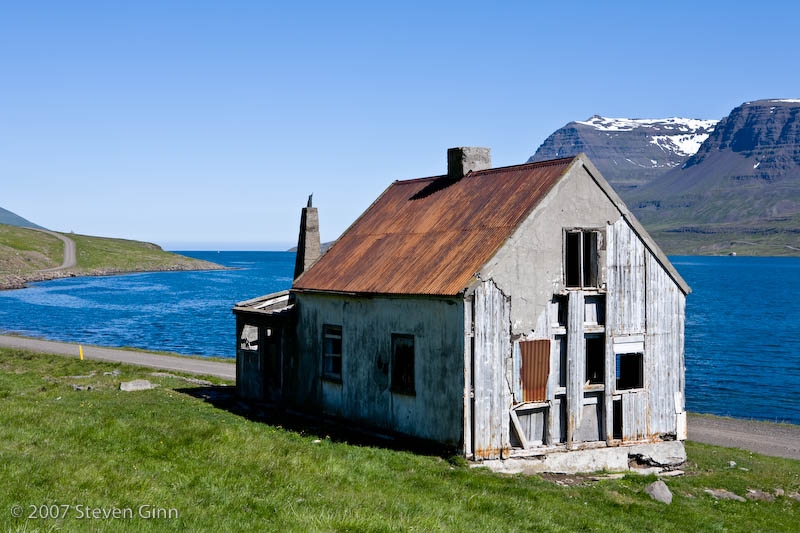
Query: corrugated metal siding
{"points": [[535, 369], [430, 236]]}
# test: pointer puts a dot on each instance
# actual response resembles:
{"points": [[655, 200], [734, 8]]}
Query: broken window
{"points": [[562, 305], [561, 341], [248, 340], [595, 359], [580, 259], [617, 419], [630, 371], [403, 364], [595, 310], [332, 352]]}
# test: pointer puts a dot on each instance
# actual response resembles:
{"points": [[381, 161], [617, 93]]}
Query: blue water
{"points": [[742, 323]]}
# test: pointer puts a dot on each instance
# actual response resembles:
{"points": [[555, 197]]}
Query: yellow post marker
{"points": [[80, 348]]}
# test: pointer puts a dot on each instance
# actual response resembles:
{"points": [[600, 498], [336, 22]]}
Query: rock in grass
{"points": [[795, 496], [759, 495], [722, 494], [137, 384], [658, 491], [779, 493]]}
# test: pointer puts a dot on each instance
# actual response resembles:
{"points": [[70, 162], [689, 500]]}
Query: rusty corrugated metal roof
{"points": [[431, 235]]}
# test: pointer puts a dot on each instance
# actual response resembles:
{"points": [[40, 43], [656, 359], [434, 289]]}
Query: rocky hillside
{"points": [[629, 152], [739, 193]]}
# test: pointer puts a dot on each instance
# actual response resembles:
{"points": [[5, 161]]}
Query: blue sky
{"points": [[205, 125]]}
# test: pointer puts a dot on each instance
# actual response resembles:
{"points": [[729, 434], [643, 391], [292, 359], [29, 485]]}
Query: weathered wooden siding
{"points": [[364, 395], [576, 365], [634, 416], [626, 280], [645, 305], [492, 350], [664, 365]]}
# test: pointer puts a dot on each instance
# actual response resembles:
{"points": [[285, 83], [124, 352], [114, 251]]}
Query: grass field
{"points": [[225, 467], [23, 249], [23, 252]]}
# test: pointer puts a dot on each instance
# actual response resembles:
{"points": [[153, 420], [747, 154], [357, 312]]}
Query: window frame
{"points": [[250, 349], [395, 387], [328, 331], [598, 339], [583, 283], [618, 372]]}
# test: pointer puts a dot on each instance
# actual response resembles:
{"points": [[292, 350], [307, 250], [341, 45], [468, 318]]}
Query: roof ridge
{"points": [[532, 164]]}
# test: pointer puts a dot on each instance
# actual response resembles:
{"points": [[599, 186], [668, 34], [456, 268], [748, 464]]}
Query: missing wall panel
{"points": [[595, 359], [573, 259], [630, 371], [590, 259], [617, 418], [595, 312]]}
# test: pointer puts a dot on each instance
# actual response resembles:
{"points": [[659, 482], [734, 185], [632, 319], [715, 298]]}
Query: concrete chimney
{"points": [[460, 161], [308, 245]]}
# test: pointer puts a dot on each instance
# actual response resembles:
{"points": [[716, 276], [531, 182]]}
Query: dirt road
{"points": [[779, 440], [151, 360], [70, 260]]}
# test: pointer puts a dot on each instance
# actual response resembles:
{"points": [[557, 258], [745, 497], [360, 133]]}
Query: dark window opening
{"points": [[562, 307], [581, 270], [332, 352], [590, 259], [595, 309], [630, 371], [573, 267], [562, 360], [403, 364], [248, 340], [617, 428], [595, 359]]}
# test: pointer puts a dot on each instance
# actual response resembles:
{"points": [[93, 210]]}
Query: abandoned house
{"points": [[515, 312]]}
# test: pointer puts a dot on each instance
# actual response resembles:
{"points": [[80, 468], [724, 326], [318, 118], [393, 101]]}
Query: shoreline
{"points": [[232, 360], [20, 281]]}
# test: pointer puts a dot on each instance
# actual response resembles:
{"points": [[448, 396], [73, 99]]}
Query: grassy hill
{"points": [[227, 466], [24, 252], [13, 219]]}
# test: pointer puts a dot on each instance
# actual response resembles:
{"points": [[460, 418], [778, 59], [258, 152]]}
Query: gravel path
{"points": [[150, 360], [779, 440], [70, 260]]}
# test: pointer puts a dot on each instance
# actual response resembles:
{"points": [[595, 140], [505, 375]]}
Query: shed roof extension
{"points": [[431, 235]]}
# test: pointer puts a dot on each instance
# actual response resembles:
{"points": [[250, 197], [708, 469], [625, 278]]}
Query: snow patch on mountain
{"points": [[628, 124], [680, 144]]}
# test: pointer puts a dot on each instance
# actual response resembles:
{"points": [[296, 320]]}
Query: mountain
{"points": [[629, 152], [12, 219], [741, 190]]}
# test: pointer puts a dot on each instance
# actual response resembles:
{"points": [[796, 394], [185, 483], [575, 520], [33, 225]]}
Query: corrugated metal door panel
{"points": [[535, 369]]}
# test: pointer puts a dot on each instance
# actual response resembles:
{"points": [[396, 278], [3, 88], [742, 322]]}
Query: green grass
{"points": [[23, 249], [95, 253], [224, 471]]}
